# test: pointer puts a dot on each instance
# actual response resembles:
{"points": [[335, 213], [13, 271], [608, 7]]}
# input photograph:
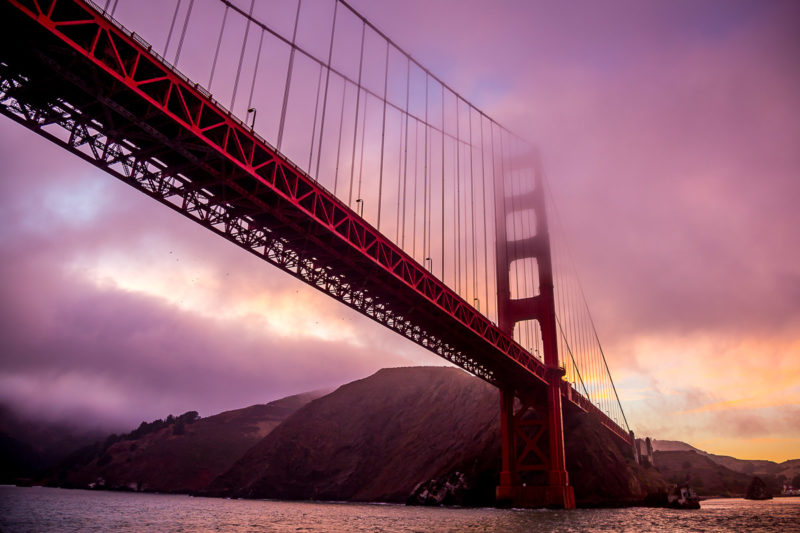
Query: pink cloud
{"points": [[669, 135]]}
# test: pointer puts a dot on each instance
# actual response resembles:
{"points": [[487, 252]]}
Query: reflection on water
{"points": [[58, 510]]}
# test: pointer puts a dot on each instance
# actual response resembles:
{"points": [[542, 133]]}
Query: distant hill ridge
{"points": [[403, 433], [751, 467], [374, 439], [423, 434], [181, 454]]}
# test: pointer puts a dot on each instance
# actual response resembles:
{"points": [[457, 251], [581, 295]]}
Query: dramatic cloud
{"points": [[117, 309], [670, 138]]}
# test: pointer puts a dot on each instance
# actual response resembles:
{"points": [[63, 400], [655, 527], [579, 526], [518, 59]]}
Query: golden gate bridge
{"points": [[318, 144]]}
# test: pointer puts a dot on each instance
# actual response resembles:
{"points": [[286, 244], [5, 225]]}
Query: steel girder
{"points": [[141, 121]]}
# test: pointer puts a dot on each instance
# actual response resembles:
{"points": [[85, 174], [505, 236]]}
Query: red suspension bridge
{"points": [[384, 188]]}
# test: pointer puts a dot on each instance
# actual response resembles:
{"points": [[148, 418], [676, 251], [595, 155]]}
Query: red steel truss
{"points": [[524, 425], [100, 92]]}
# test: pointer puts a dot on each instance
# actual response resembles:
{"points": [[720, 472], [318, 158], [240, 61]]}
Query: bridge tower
{"points": [[533, 472]]}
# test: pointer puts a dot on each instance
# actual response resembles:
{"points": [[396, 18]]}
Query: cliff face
{"points": [[374, 439], [381, 437], [601, 468], [175, 456]]}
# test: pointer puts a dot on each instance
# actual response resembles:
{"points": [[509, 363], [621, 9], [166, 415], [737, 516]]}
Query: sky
{"points": [[669, 132]]}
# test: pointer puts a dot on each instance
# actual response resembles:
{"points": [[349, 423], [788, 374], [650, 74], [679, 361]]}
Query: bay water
{"points": [[44, 510]]}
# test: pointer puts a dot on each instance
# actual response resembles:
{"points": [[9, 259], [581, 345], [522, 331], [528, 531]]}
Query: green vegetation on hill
{"points": [[178, 454]]}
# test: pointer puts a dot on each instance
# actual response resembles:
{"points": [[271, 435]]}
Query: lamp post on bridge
{"points": [[253, 111]]}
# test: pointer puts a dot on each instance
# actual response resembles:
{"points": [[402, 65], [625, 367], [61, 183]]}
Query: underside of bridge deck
{"points": [[75, 78]]}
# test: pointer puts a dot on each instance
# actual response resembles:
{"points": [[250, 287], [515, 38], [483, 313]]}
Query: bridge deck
{"points": [[76, 78]]}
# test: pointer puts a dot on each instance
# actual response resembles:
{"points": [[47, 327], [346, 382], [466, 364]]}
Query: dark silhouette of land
{"points": [[423, 435]]}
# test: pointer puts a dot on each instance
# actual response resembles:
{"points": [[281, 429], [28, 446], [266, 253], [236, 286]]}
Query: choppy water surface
{"points": [[51, 510]]}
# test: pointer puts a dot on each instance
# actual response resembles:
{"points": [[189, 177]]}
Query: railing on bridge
{"points": [[372, 135]]}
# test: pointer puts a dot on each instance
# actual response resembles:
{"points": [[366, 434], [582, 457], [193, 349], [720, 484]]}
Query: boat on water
{"points": [[682, 497]]}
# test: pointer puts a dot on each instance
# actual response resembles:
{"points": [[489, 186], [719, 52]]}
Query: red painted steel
{"points": [[121, 56], [122, 108], [555, 490]]}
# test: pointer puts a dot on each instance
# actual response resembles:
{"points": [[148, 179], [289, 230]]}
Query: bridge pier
{"points": [[534, 472]]}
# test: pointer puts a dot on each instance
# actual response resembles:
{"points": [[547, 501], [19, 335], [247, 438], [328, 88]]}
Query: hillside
{"points": [[703, 474], [177, 455], [601, 467], [29, 447], [376, 439], [750, 467]]}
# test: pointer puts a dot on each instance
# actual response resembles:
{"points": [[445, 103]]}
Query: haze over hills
{"points": [[182, 454], [423, 434], [28, 446], [751, 467]]}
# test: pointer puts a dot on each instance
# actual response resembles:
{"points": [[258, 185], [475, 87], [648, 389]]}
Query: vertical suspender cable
{"points": [[514, 239], [355, 123], [535, 281], [400, 181], [457, 246], [383, 134], [241, 54], [571, 318], [314, 127], [580, 347], [416, 195], [529, 281], [429, 205], [425, 221], [528, 252], [171, 26], [472, 205], [586, 345], [443, 261], [183, 32], [485, 226], [495, 213], [339, 144], [405, 155], [327, 81], [514, 217], [505, 196], [363, 141], [219, 42], [255, 74], [456, 222], [288, 76]]}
